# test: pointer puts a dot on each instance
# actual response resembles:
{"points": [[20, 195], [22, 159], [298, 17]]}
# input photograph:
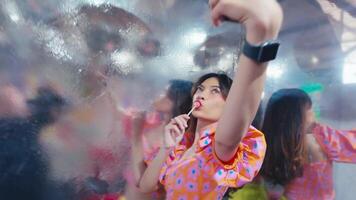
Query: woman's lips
{"points": [[197, 104]]}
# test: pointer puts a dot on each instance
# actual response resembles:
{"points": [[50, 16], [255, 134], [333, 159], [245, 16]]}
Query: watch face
{"points": [[268, 52]]}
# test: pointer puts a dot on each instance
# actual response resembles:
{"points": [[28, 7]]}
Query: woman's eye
{"points": [[215, 91], [200, 89]]}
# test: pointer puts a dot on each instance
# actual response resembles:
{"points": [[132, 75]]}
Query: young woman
{"points": [[300, 151], [223, 150]]}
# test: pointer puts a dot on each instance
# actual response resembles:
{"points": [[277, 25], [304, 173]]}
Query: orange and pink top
{"points": [[317, 180], [204, 176]]}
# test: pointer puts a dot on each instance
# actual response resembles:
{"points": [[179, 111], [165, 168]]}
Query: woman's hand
{"points": [[174, 130], [262, 18]]}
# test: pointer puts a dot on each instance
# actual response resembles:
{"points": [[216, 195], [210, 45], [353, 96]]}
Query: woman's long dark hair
{"points": [[225, 83], [179, 93], [283, 127]]}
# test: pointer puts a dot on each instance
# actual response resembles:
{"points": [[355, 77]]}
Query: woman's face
{"points": [[212, 101], [163, 103]]}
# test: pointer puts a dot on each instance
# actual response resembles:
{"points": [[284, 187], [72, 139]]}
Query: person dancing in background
{"points": [[300, 151]]}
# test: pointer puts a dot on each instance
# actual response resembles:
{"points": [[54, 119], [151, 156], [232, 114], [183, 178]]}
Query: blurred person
{"points": [[147, 139], [300, 151], [12, 102], [23, 164], [89, 147]]}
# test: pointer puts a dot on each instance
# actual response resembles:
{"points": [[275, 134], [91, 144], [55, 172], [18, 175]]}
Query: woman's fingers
{"points": [[175, 130], [181, 121], [227, 9]]}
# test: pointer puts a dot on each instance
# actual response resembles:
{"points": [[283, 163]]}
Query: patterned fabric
{"points": [[204, 176], [317, 180], [339, 146]]}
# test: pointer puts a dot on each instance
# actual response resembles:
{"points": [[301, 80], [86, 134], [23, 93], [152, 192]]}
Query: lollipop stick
{"points": [[190, 112]]}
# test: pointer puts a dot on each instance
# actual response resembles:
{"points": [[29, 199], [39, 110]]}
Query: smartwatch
{"points": [[265, 52]]}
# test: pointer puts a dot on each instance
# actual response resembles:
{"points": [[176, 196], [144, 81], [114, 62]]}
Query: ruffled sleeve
{"points": [[244, 166], [338, 145]]}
